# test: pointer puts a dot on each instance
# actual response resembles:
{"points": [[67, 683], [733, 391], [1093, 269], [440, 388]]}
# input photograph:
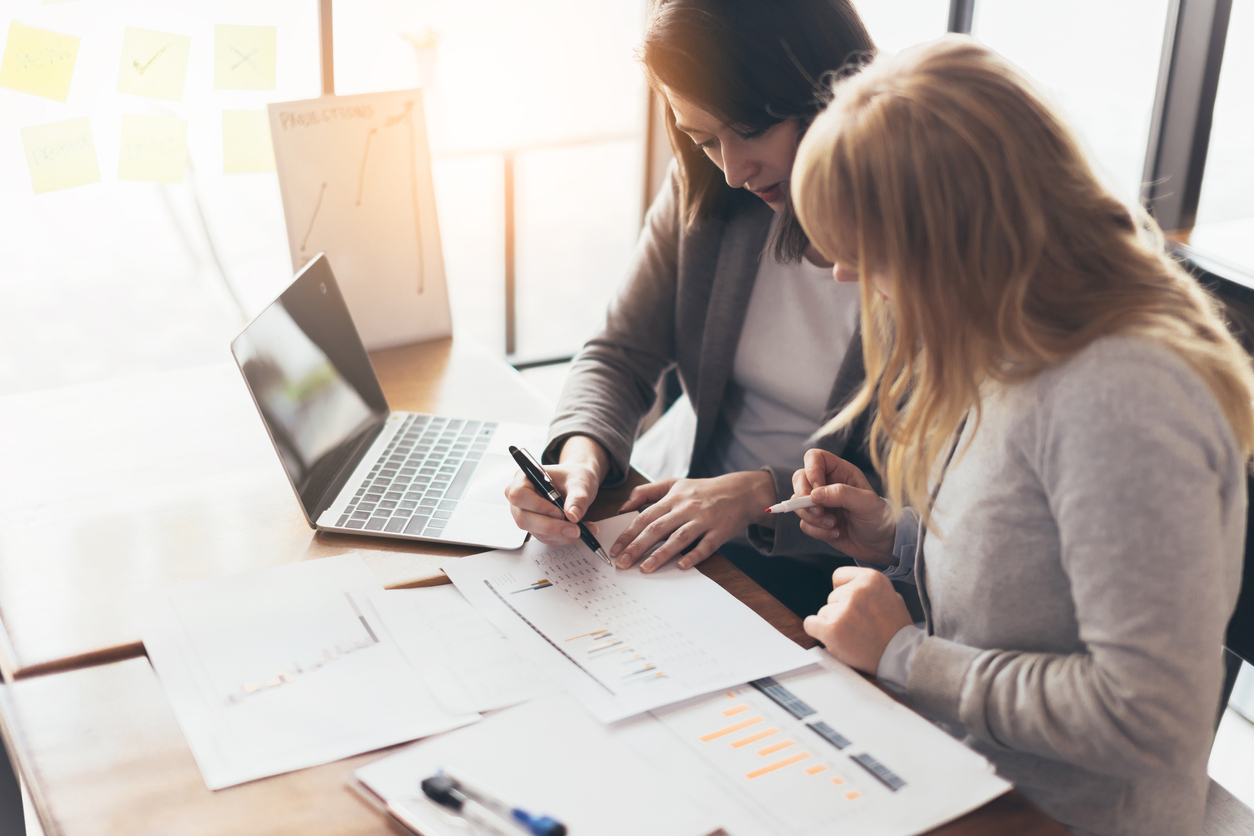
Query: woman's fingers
{"points": [[655, 532], [679, 540], [643, 495], [534, 513], [856, 500], [823, 468], [627, 548], [546, 529]]}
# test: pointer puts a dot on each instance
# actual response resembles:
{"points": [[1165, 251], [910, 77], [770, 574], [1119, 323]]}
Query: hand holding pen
{"points": [[844, 510], [543, 484]]}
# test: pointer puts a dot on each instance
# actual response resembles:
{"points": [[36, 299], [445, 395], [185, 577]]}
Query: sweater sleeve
{"points": [[1147, 489], [611, 381]]}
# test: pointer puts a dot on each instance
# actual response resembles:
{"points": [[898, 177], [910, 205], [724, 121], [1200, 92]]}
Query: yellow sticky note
{"points": [[246, 144], [60, 155], [39, 62], [243, 57], [153, 148], [154, 64]]}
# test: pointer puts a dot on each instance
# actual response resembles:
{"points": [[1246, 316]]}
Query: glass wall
{"points": [[554, 83], [897, 24], [1225, 211], [1098, 60], [113, 276], [118, 275]]}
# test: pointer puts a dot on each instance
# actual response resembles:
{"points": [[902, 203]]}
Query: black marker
{"points": [[544, 484]]}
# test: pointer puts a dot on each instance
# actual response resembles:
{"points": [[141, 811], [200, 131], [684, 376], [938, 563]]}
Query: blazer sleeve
{"points": [[611, 383], [1147, 490]]}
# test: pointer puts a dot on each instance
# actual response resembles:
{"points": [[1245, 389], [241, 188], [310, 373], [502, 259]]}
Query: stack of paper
{"points": [[549, 757], [286, 668], [621, 642]]}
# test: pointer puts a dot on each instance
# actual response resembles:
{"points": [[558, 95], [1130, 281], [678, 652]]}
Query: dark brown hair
{"points": [[752, 64]]}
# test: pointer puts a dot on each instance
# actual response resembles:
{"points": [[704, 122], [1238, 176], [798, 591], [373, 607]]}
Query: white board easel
{"points": [[355, 179]]}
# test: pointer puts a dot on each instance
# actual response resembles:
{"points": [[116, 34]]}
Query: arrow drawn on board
{"points": [[365, 157], [317, 207]]}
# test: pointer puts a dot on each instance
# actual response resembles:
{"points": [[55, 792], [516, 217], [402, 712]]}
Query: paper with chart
{"points": [[469, 665], [355, 178], [550, 758], [813, 752], [285, 668], [621, 641]]}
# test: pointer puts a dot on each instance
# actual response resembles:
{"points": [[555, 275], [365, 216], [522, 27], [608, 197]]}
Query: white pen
{"points": [[794, 504]]}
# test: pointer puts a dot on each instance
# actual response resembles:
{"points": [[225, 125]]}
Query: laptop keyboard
{"points": [[417, 481]]}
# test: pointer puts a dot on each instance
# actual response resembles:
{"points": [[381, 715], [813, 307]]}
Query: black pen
{"points": [[544, 484]]}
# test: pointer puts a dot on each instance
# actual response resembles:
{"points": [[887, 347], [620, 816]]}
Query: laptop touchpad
{"points": [[492, 476]]}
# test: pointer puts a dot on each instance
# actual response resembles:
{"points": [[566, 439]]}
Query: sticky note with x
{"points": [[154, 64], [38, 61], [243, 57]]}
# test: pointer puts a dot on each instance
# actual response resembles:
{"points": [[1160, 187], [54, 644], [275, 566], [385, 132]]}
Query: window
{"points": [[1098, 60], [1225, 212], [555, 85], [897, 24], [126, 276]]}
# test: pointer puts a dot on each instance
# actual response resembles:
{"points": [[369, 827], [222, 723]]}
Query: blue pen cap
{"points": [[540, 825]]}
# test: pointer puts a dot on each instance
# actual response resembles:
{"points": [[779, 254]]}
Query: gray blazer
{"points": [[683, 305]]}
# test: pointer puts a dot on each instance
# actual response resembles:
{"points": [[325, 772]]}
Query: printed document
{"points": [[547, 757], [813, 752], [621, 641], [285, 668], [466, 662]]}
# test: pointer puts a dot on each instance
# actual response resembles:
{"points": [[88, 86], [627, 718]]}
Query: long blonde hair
{"points": [[944, 175]]}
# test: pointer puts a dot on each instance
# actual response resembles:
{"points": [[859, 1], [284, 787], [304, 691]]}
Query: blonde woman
{"points": [[1067, 418]]}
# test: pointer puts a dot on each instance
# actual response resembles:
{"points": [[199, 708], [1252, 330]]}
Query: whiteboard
{"points": [[355, 178]]}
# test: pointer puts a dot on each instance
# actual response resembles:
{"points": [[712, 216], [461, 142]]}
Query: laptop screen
{"points": [[313, 384]]}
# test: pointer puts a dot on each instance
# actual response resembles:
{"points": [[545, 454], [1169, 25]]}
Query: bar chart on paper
{"points": [[773, 747], [822, 748], [622, 642], [600, 628]]}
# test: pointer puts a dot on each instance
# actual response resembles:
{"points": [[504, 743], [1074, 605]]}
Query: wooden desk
{"points": [[99, 747], [115, 488]]}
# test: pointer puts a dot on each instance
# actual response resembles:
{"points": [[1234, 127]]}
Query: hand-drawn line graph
{"points": [[317, 206], [370, 192], [365, 157]]}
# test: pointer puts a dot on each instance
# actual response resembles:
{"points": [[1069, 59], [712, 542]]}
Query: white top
{"points": [[797, 328]]}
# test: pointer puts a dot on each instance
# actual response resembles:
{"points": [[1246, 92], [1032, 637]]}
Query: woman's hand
{"points": [[850, 516], [861, 616], [682, 511], [578, 476]]}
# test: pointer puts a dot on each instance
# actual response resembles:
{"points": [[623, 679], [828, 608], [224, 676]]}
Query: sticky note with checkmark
{"points": [[38, 61], [243, 57], [154, 64]]}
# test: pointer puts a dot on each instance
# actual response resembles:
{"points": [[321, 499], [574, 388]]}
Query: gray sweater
{"points": [[1086, 561]]}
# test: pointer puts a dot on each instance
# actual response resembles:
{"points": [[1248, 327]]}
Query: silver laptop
{"points": [[356, 466]]}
